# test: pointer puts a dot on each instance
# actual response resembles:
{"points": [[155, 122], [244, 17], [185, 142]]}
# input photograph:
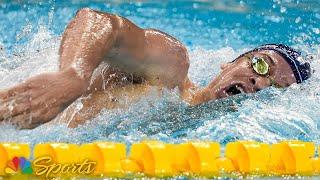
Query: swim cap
{"points": [[301, 70]]}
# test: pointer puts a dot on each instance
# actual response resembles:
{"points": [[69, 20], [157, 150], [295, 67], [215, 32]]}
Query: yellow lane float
{"points": [[159, 159], [292, 157], [196, 157], [153, 158], [106, 156], [248, 157], [59, 152]]}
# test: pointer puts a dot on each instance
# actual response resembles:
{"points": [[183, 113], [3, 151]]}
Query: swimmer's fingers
{"points": [[32, 120], [14, 106], [8, 93], [20, 100], [13, 101], [21, 121]]}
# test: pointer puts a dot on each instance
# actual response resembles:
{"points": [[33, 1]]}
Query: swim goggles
{"points": [[261, 67]]}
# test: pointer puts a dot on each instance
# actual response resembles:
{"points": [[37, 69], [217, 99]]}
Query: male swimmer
{"points": [[125, 54]]}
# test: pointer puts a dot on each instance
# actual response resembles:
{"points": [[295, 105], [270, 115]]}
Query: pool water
{"points": [[214, 32]]}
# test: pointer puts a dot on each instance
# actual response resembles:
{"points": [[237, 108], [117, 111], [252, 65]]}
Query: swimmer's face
{"points": [[240, 77]]}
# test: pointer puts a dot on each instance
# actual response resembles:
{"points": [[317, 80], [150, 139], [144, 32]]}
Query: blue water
{"points": [[214, 32]]}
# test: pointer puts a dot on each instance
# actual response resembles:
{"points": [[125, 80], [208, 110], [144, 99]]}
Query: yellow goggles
{"points": [[260, 66]]}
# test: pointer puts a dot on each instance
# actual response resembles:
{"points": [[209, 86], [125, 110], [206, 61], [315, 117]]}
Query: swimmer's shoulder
{"points": [[117, 21], [126, 26], [123, 22], [151, 32]]}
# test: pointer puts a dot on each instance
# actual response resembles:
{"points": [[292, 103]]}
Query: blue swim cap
{"points": [[301, 69]]}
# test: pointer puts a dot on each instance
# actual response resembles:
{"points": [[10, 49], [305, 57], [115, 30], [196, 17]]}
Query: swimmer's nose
{"points": [[259, 83]]}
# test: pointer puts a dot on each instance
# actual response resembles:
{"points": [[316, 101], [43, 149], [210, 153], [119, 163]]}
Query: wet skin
{"points": [[239, 77], [102, 52]]}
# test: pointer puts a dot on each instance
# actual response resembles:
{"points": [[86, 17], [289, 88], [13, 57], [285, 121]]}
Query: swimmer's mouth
{"points": [[234, 90]]}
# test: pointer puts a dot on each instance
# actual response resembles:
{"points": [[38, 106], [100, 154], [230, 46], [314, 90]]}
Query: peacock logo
{"points": [[18, 163]]}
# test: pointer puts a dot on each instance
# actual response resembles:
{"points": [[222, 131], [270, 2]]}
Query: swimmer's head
{"points": [[268, 65]]}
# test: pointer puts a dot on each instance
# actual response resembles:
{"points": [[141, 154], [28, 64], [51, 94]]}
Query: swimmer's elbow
{"points": [[84, 11], [87, 13]]}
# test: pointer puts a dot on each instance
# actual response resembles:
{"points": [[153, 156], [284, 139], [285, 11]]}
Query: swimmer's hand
{"points": [[39, 99]]}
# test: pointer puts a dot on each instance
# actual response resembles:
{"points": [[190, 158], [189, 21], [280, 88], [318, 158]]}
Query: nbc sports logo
{"points": [[18, 164]]}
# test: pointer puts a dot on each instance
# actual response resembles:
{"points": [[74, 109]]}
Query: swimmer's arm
{"points": [[37, 100], [192, 94], [188, 91], [86, 41]]}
